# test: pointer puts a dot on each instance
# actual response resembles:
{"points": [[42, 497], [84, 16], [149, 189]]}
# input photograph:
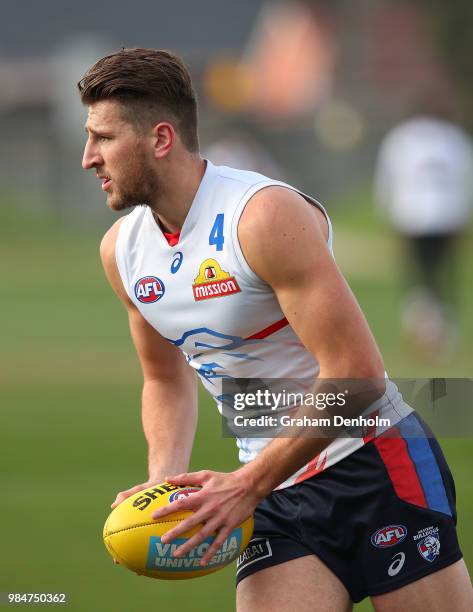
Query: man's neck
{"points": [[177, 192]]}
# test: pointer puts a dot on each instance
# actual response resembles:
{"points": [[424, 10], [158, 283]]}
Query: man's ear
{"points": [[164, 138]]}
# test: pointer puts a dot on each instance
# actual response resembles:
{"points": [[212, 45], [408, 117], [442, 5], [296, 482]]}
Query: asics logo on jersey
{"points": [[149, 289], [388, 536], [212, 281]]}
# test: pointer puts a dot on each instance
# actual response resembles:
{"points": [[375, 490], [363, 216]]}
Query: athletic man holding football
{"points": [[230, 274]]}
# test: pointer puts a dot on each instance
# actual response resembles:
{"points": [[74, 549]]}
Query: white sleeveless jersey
{"points": [[202, 296]]}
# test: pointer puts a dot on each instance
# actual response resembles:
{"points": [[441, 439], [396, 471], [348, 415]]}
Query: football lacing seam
{"points": [[142, 525]]}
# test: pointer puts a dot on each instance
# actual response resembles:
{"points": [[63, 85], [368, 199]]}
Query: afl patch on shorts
{"points": [[379, 519]]}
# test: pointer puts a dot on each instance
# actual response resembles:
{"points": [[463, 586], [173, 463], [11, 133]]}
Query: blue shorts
{"points": [[379, 519]]}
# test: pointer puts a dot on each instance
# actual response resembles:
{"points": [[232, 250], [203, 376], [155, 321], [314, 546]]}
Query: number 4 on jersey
{"points": [[216, 233]]}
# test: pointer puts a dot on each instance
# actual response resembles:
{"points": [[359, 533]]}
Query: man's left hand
{"points": [[223, 503]]}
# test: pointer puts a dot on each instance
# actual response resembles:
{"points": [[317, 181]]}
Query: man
{"points": [[424, 185], [230, 274]]}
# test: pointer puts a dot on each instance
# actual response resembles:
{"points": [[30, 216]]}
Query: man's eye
{"points": [[104, 138]]}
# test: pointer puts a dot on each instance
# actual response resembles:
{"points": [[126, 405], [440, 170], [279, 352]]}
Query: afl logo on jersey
{"points": [[149, 289], [213, 282]]}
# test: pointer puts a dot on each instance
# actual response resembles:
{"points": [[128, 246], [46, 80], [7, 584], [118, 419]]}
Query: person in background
{"points": [[424, 185]]}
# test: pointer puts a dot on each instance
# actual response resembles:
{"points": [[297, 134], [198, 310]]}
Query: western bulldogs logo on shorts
{"points": [[149, 289], [429, 548], [428, 543]]}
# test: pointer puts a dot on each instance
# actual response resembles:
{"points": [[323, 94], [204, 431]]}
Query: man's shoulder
{"points": [[275, 228], [280, 205], [247, 177], [131, 220], [108, 243]]}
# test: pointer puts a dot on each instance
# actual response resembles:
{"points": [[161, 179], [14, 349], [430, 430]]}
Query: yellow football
{"points": [[133, 538]]}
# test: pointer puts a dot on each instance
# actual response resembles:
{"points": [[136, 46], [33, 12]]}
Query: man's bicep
{"points": [[285, 244], [325, 315]]}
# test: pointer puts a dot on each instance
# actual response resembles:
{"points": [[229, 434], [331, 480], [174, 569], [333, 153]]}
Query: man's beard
{"points": [[141, 189]]}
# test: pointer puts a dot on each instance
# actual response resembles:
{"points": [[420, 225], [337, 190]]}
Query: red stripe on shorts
{"points": [[267, 331], [312, 468], [401, 469]]}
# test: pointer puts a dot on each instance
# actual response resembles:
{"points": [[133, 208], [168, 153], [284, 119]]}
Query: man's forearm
{"points": [[279, 460], [298, 445], [169, 415]]}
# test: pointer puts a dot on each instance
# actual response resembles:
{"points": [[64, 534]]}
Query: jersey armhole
{"points": [[247, 270], [119, 255]]}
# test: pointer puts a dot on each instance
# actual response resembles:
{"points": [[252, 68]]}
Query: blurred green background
{"points": [[70, 385], [69, 379]]}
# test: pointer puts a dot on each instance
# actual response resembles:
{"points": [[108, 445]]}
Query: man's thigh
{"points": [[304, 584], [448, 589]]}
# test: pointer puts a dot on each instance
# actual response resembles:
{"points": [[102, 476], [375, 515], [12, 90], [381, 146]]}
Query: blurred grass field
{"points": [[70, 386]]}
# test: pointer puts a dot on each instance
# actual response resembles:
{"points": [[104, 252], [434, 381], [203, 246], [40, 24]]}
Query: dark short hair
{"points": [[151, 85]]}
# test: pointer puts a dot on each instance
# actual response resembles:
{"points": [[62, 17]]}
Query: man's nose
{"points": [[91, 157]]}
